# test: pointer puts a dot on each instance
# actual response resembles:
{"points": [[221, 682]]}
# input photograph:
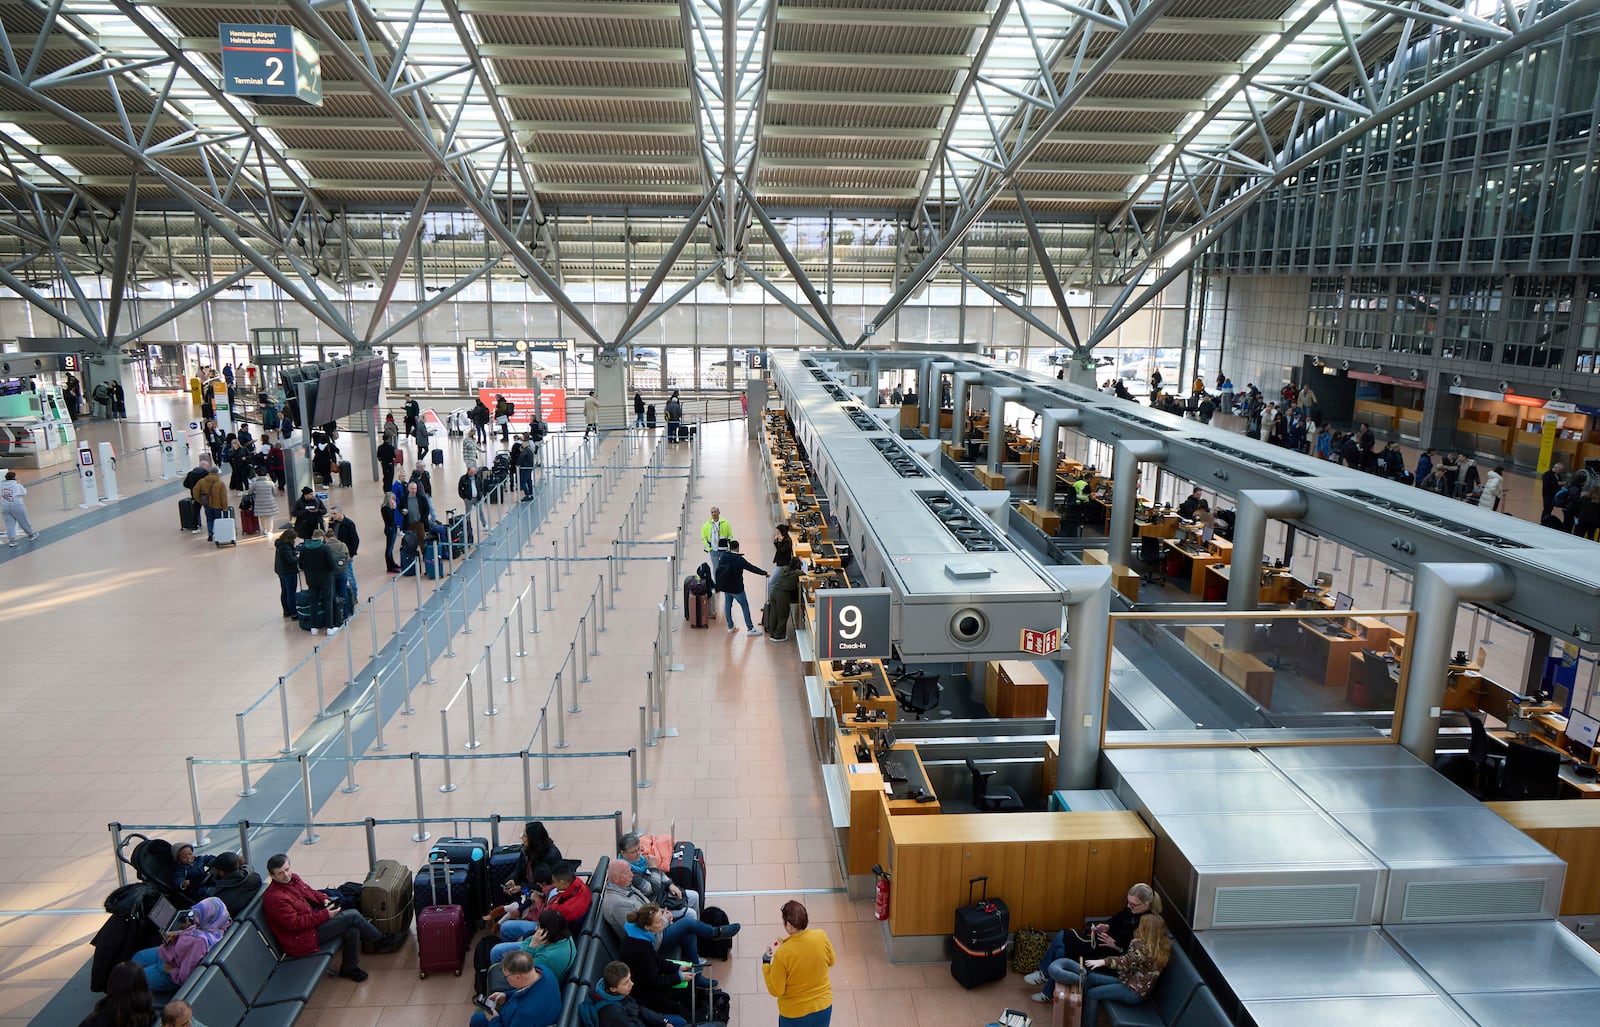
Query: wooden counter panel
{"points": [[1050, 868], [1571, 830]]}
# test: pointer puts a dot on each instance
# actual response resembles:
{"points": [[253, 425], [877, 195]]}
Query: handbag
{"points": [[1027, 949]]}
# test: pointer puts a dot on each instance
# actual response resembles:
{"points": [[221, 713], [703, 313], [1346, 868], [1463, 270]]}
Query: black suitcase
{"points": [[688, 869], [650, 417], [438, 458], [188, 515], [503, 863], [982, 926], [978, 943], [345, 476], [472, 854]]}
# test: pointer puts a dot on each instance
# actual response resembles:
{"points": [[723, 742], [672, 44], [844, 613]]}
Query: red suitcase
{"points": [[699, 611], [442, 934], [249, 522]]}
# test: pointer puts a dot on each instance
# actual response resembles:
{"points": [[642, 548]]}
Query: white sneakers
{"points": [[332, 632], [1035, 979], [1041, 998], [754, 631]]}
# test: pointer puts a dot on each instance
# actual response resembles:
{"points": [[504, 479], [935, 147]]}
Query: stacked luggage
{"points": [[979, 939], [451, 892], [454, 535], [499, 476]]}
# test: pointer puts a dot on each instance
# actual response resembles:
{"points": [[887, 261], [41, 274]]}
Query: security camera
{"points": [[1555, 393], [1505, 386], [1415, 374], [1455, 379], [1377, 368], [1345, 364], [969, 626]]}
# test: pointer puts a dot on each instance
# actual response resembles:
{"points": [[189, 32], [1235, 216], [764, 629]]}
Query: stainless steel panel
{"points": [[1514, 958], [1226, 791], [1290, 758], [1442, 837], [1363, 1011], [1290, 843], [1118, 762], [1304, 963], [1577, 1008], [1339, 789]]}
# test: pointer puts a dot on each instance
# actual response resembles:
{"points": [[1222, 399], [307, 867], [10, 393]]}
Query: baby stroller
{"points": [[129, 927], [156, 864]]}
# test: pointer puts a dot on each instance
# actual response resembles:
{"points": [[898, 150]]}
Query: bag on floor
{"points": [[1027, 949], [188, 515], [438, 458], [473, 855], [442, 934], [248, 521], [387, 896], [715, 948], [480, 964], [346, 476], [430, 559], [688, 869], [225, 530], [1066, 1006]]}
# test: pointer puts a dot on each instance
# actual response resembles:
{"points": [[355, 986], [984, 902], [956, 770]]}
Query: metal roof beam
{"points": [[860, 99], [884, 17], [846, 59], [561, 9]]}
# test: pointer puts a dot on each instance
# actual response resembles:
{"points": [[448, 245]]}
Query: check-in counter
{"points": [[1123, 578], [1015, 688], [873, 803], [1242, 669], [1050, 868], [1571, 830]]}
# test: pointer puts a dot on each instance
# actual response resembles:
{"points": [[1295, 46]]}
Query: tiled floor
{"points": [[132, 645]]}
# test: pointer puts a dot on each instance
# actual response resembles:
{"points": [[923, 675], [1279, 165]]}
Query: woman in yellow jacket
{"points": [[795, 969]]}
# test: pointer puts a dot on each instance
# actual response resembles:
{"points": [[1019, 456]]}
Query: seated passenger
{"points": [[177, 1013], [627, 891], [302, 918], [127, 1001], [537, 850], [190, 876], [1109, 938], [1133, 974], [615, 1006], [533, 1001], [519, 916], [659, 985], [233, 882], [169, 964], [550, 945], [652, 878], [572, 897]]}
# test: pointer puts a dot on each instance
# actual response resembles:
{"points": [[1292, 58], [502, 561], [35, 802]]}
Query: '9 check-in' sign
{"points": [[852, 623]]}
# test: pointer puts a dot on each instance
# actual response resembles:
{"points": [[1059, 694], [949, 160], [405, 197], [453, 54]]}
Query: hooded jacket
{"points": [[185, 951], [236, 890]]}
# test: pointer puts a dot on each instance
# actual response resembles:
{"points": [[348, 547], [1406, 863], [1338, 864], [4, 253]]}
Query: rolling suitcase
{"points": [[188, 515], [979, 939], [225, 530], [472, 854], [503, 863], [249, 523], [699, 611], [430, 559], [688, 869], [307, 609], [386, 896], [345, 476], [438, 458], [650, 417], [441, 928]]}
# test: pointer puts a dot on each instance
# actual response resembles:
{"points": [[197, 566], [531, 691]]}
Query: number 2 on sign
{"points": [[849, 621]]}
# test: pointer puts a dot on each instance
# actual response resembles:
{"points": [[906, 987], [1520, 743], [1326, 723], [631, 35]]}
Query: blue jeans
{"points": [[211, 518], [288, 585], [1097, 987], [154, 973], [728, 599], [821, 1018], [476, 506], [684, 934], [391, 534]]}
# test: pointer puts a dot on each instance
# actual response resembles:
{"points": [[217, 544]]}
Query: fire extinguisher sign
{"points": [[1041, 643]]}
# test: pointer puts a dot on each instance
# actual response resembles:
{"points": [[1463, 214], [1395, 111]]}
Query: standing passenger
{"points": [[11, 508], [795, 969]]}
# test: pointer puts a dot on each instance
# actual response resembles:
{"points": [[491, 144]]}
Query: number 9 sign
{"points": [[853, 623]]}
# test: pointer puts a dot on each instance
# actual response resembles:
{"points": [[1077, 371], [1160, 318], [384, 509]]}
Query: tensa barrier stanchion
{"points": [[490, 710], [533, 601], [444, 737], [466, 606], [246, 790], [611, 571], [378, 745], [449, 632], [322, 703], [509, 676], [283, 707], [427, 654], [350, 786], [372, 620], [416, 785], [483, 584], [527, 785], [405, 681], [472, 717], [649, 702], [394, 595], [311, 837], [643, 782], [416, 574], [552, 579], [599, 611], [583, 650], [561, 720], [544, 753], [500, 549]]}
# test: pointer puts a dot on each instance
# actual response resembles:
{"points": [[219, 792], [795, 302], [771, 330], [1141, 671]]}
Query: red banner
{"points": [[552, 405]]}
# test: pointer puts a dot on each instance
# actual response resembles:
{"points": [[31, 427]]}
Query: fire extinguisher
{"points": [[880, 894]]}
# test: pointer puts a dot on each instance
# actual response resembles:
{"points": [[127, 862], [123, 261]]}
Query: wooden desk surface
{"points": [[1011, 828]]}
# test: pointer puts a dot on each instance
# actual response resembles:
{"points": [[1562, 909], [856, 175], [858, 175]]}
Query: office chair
{"points": [[1382, 688], [1150, 556], [923, 695], [999, 799], [1483, 755], [1283, 639], [1324, 579], [1531, 772]]}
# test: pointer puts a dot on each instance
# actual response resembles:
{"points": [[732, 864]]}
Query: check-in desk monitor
{"points": [[1582, 729], [1343, 602]]}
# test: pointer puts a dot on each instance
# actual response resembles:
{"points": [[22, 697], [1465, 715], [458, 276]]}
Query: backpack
{"points": [[715, 948], [1027, 950]]}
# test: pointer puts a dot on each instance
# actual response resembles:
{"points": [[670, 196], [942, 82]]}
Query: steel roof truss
{"points": [[796, 269], [788, 302], [1047, 267], [1000, 297]]}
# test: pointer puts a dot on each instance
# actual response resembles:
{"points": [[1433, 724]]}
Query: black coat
{"points": [[653, 978], [345, 531]]}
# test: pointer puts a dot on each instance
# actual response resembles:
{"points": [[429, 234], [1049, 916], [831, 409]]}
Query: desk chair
{"points": [[922, 696], [1150, 556], [1283, 639], [1483, 755], [1531, 772], [999, 799]]}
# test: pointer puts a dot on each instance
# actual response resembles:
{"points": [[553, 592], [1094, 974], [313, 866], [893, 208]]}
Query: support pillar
{"points": [[1079, 372], [933, 373], [873, 386], [1440, 588], [1254, 508], [1125, 460], [964, 380], [998, 398], [1086, 593], [1051, 422], [611, 389]]}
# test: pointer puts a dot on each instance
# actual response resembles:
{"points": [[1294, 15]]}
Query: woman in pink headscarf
{"points": [[168, 965]]}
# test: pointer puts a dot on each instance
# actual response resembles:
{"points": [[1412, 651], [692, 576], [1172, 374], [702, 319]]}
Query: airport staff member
{"points": [[714, 536]]}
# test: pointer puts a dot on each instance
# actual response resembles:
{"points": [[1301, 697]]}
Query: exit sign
{"points": [[1041, 643]]}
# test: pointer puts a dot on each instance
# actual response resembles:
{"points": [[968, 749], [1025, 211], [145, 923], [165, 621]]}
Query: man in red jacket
{"points": [[572, 896], [302, 919]]}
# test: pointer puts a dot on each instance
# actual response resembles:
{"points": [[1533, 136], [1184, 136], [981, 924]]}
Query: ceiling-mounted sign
{"points": [[271, 60], [853, 623]]}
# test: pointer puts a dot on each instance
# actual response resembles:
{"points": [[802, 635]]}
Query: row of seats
{"points": [[247, 981], [585, 973], [1179, 999]]}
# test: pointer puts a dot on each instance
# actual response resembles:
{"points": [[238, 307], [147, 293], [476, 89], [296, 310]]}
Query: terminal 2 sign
{"points": [[277, 61]]}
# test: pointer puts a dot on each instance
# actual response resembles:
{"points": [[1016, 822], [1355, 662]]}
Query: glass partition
{"points": [[1259, 678]]}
